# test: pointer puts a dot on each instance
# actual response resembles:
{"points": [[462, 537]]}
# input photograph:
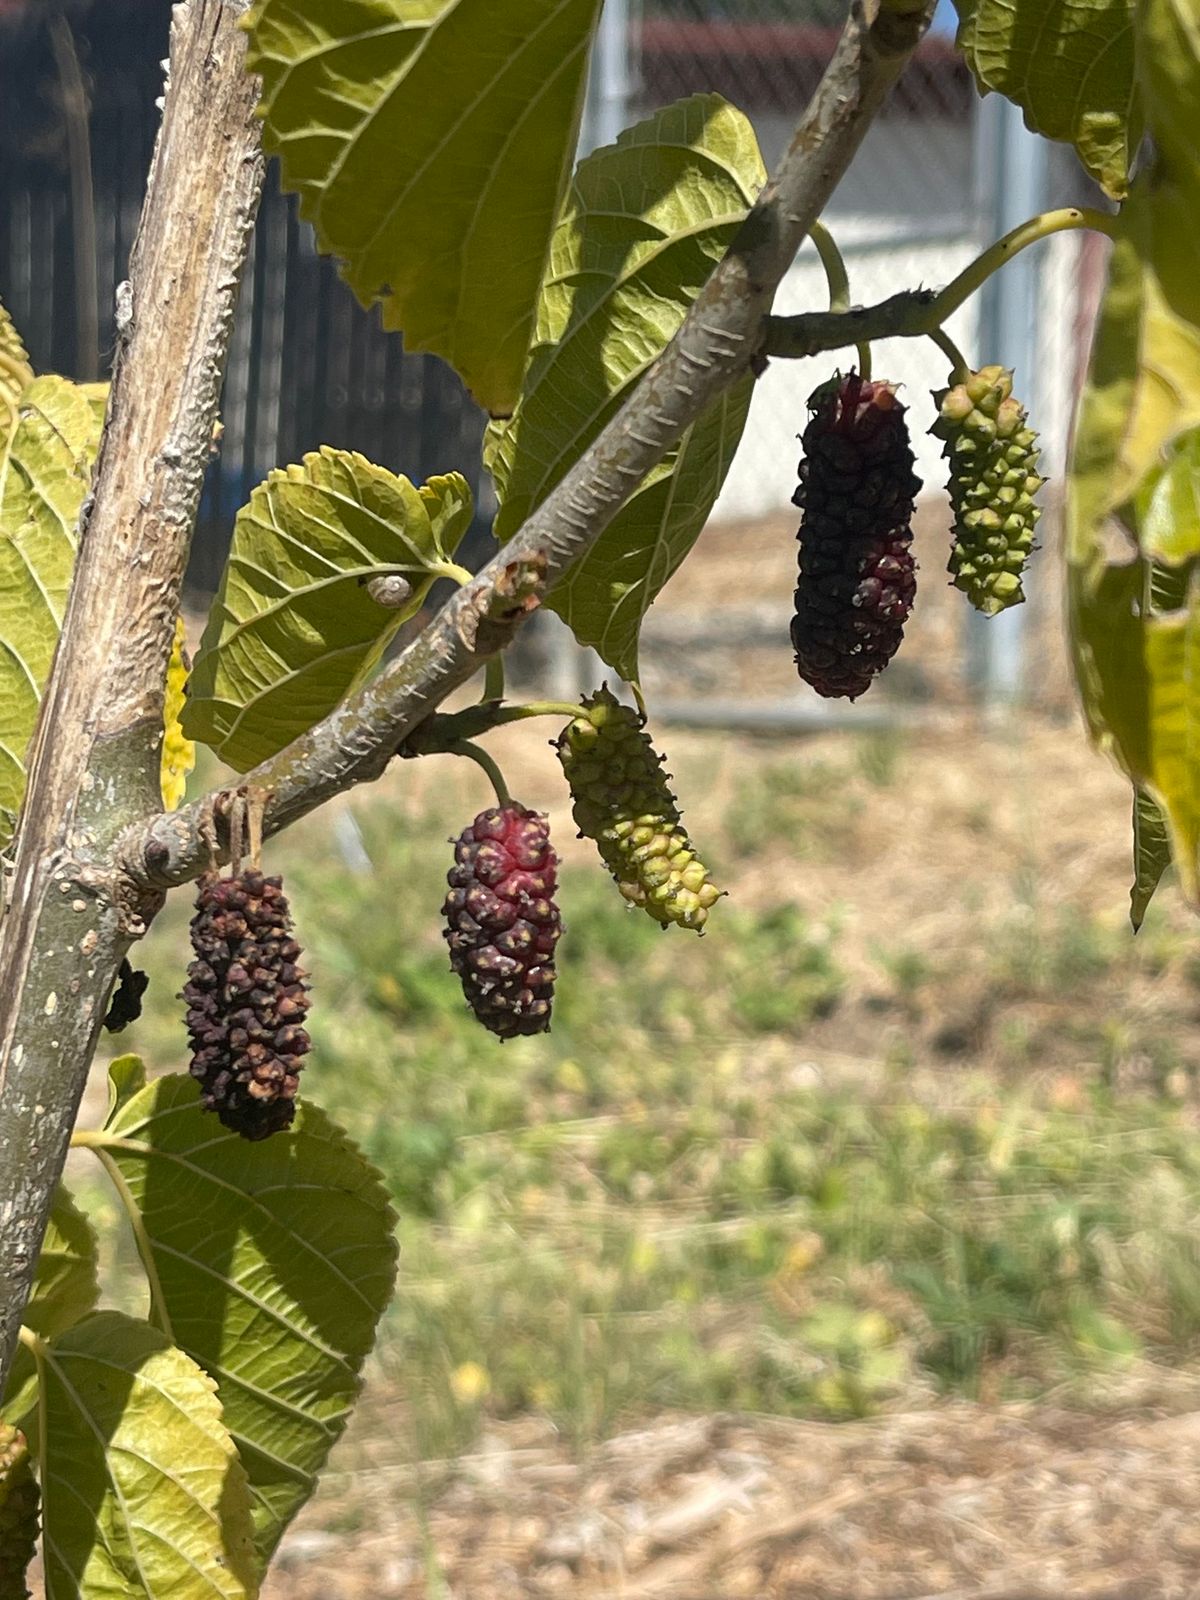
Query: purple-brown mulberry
{"points": [[857, 574], [247, 1002], [502, 920], [126, 1003]]}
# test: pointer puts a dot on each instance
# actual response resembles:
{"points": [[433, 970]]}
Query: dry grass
{"points": [[957, 1501]]}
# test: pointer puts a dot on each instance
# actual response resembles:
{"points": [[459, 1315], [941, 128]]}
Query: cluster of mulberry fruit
{"points": [[857, 576], [622, 802], [993, 460], [247, 1002], [19, 1507], [502, 923]]}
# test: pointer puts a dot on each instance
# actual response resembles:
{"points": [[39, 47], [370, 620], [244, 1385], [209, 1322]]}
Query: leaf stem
{"points": [[1031, 231], [834, 264], [452, 570], [159, 1315], [493, 681], [838, 279], [916, 313], [537, 708], [33, 1342], [464, 747], [38, 1349], [960, 369]]}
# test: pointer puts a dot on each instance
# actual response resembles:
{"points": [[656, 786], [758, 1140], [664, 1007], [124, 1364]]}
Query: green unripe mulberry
{"points": [[993, 460], [19, 1506], [622, 802]]}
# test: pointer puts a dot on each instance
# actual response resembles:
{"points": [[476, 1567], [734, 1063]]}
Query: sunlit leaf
{"points": [[1151, 854], [274, 1262], [65, 1290], [45, 478], [143, 1494], [1133, 514], [296, 624], [430, 142], [178, 751], [1069, 65], [1169, 69], [15, 375], [1173, 668], [646, 221]]}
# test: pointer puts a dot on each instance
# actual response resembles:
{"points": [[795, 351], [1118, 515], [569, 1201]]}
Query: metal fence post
{"points": [[1011, 182]]}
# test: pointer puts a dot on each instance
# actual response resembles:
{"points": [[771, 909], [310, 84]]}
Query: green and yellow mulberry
{"points": [[993, 459], [622, 802]]}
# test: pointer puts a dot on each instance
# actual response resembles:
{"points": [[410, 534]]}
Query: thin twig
{"points": [[917, 313]]}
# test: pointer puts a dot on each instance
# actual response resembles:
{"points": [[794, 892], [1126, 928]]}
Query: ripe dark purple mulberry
{"points": [[502, 922], [857, 574], [247, 1002]]}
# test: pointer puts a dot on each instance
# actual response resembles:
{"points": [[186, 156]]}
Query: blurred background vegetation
{"points": [[916, 1116]]}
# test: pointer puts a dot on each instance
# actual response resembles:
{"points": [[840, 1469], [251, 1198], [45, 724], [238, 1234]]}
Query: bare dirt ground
{"points": [[959, 1502]]}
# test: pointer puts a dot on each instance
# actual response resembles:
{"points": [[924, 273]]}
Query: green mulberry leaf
{"points": [[47, 470], [646, 221], [296, 624], [16, 374], [178, 752], [65, 1291], [1151, 854], [430, 142], [273, 1276], [1069, 65], [1133, 506], [143, 1494]]}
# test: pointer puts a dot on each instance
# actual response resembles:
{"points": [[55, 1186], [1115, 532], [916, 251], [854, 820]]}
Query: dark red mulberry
{"points": [[502, 922], [246, 1002], [857, 574]]}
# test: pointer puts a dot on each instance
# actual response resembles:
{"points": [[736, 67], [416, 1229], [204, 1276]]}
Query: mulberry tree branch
{"points": [[719, 342], [94, 761]]}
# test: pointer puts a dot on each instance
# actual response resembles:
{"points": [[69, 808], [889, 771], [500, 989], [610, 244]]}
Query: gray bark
{"points": [[94, 762]]}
